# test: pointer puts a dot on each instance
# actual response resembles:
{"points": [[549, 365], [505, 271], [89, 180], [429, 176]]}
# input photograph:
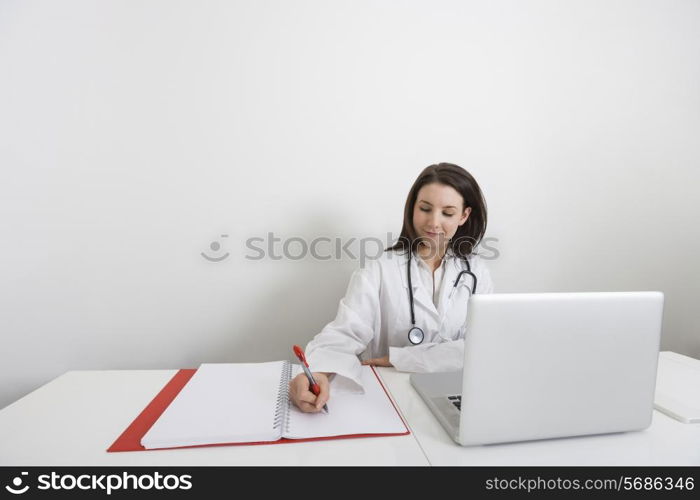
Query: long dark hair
{"points": [[470, 233]]}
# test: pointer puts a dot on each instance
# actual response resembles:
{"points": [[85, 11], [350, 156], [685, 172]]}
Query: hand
{"points": [[378, 361], [303, 398]]}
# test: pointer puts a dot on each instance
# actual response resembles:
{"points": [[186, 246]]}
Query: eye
{"points": [[423, 209], [447, 215]]}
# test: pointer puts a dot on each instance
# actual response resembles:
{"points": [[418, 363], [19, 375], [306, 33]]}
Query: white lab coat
{"points": [[374, 318]]}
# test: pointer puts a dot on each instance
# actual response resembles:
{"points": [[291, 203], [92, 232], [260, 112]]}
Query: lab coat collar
{"points": [[452, 270], [420, 294]]}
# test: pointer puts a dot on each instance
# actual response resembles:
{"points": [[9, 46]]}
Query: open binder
{"points": [[248, 403]]}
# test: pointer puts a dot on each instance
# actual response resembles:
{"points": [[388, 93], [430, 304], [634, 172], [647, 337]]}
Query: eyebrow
{"points": [[427, 203]]}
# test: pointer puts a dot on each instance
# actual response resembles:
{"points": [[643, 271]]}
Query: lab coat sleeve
{"points": [[444, 356], [336, 348]]}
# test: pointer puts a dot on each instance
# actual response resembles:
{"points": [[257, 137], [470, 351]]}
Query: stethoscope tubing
{"points": [[416, 334]]}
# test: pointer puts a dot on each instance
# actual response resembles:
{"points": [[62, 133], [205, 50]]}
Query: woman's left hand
{"points": [[378, 361]]}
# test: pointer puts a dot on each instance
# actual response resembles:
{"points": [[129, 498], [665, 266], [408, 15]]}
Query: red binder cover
{"points": [[130, 439]]}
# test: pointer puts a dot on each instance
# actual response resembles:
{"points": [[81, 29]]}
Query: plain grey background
{"points": [[134, 134]]}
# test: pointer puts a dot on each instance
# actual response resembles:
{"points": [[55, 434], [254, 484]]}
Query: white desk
{"points": [[73, 419], [665, 442]]}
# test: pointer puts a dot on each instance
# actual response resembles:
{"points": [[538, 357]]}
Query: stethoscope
{"points": [[415, 334]]}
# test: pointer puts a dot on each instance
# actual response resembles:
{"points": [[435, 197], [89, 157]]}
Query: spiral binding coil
{"points": [[283, 402]]}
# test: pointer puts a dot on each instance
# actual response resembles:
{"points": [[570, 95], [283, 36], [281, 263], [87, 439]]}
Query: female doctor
{"points": [[407, 308]]}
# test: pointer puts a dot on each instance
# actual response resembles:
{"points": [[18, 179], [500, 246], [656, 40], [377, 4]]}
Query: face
{"points": [[438, 213]]}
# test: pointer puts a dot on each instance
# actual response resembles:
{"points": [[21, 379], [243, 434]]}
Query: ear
{"points": [[465, 215]]}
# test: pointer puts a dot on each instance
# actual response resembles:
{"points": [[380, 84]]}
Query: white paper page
{"points": [[349, 413], [221, 403], [678, 387]]}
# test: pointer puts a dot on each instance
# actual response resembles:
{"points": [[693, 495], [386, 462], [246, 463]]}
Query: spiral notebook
{"points": [[249, 403]]}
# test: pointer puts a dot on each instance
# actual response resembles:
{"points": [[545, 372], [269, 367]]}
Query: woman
{"points": [[403, 309]]}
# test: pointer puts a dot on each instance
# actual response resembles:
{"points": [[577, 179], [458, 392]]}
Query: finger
{"points": [[296, 388], [325, 393], [373, 362], [378, 362], [307, 407], [324, 389], [322, 381], [303, 404], [301, 382], [302, 387], [307, 397]]}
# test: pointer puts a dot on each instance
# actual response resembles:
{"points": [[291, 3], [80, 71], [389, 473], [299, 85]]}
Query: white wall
{"points": [[134, 133]]}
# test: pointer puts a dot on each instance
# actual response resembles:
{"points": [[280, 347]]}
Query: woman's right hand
{"points": [[303, 398]]}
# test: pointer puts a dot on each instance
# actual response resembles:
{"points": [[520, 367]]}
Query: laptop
{"points": [[550, 365]]}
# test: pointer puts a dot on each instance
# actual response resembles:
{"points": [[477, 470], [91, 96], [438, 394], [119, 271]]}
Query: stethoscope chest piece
{"points": [[415, 335]]}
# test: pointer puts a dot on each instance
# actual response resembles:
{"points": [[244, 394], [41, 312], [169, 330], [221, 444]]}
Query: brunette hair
{"points": [[470, 233]]}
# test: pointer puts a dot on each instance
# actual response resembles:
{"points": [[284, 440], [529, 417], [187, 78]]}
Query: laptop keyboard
{"points": [[456, 400]]}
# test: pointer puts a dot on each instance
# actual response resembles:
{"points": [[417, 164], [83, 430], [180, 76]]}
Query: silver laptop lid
{"points": [[561, 364]]}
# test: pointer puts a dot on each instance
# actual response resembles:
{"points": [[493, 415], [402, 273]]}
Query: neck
{"points": [[431, 256]]}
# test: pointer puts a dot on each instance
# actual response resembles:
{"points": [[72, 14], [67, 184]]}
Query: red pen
{"points": [[312, 383]]}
